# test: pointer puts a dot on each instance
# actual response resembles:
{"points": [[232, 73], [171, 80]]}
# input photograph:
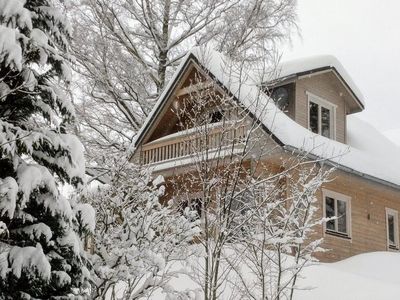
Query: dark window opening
{"points": [[391, 230], [216, 116], [314, 117]]}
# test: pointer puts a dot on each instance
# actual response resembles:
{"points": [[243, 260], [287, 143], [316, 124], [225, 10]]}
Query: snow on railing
{"points": [[189, 142]]}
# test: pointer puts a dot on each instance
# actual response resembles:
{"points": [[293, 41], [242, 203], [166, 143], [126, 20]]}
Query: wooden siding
{"points": [[328, 87], [368, 217]]}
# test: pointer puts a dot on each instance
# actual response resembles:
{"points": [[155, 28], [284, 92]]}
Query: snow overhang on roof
{"points": [[308, 66], [243, 85]]}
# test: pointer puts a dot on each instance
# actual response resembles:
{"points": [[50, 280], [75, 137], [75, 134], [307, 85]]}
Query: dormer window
{"points": [[321, 116]]}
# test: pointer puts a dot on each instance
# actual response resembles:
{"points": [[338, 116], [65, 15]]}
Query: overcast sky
{"points": [[365, 36]]}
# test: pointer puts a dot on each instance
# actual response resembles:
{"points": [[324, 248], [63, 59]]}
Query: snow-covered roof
{"points": [[307, 65], [361, 155]]}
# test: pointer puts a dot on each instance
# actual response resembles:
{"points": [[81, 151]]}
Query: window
{"points": [[281, 98], [392, 226], [216, 116], [321, 116], [337, 206]]}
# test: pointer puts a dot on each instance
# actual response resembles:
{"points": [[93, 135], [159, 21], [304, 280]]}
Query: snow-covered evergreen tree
{"points": [[40, 249]]}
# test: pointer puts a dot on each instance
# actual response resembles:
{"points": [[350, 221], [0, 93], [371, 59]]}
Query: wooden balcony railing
{"points": [[188, 142]]}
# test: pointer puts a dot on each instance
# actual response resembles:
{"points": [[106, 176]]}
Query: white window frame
{"points": [[337, 196], [395, 214], [326, 104]]}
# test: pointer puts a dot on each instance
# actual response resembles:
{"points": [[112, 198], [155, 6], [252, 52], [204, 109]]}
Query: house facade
{"points": [[308, 107]]}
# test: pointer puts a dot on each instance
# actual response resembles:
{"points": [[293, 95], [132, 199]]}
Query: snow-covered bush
{"points": [[137, 237], [40, 249]]}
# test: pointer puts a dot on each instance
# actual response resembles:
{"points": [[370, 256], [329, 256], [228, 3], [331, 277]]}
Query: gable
{"points": [[162, 120]]}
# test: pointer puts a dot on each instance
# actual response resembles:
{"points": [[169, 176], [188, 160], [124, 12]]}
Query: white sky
{"points": [[365, 36]]}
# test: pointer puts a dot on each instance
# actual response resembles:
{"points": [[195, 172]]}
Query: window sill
{"points": [[338, 234], [393, 248]]}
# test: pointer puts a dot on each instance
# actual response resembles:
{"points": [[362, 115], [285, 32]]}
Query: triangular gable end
{"points": [[162, 121]]}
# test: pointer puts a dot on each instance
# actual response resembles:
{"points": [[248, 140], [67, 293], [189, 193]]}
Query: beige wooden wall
{"points": [[368, 216], [328, 87]]}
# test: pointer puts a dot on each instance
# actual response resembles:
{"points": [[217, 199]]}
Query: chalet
{"points": [[313, 108]]}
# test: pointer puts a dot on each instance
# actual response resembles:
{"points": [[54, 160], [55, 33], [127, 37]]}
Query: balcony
{"points": [[186, 144]]}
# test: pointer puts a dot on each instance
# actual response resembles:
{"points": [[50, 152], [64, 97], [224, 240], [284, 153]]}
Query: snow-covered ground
{"points": [[367, 276], [370, 276]]}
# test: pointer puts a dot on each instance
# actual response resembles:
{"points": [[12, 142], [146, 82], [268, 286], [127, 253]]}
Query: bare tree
{"points": [[256, 201], [127, 50]]}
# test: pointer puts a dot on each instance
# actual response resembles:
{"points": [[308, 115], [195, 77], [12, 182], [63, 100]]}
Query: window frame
{"points": [[337, 196], [321, 102], [395, 214]]}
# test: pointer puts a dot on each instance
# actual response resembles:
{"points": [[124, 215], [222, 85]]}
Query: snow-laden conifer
{"points": [[41, 254]]}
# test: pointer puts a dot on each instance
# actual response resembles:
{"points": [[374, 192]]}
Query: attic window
{"points": [[321, 116]]}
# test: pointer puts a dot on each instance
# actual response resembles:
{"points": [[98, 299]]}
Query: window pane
{"points": [[216, 116], [313, 117], [391, 230], [325, 122], [330, 212], [342, 218]]}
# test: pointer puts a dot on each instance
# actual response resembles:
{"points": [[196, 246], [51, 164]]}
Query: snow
{"points": [[366, 276], [31, 258], [87, 215], [77, 169], [31, 177], [71, 240], [301, 65], [36, 231], [240, 83], [57, 205], [74, 167], [15, 13], [39, 37], [62, 277], [10, 49], [393, 135], [8, 194], [360, 135], [3, 228]]}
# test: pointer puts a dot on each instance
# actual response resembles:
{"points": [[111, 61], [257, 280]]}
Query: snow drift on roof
{"points": [[306, 64]]}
